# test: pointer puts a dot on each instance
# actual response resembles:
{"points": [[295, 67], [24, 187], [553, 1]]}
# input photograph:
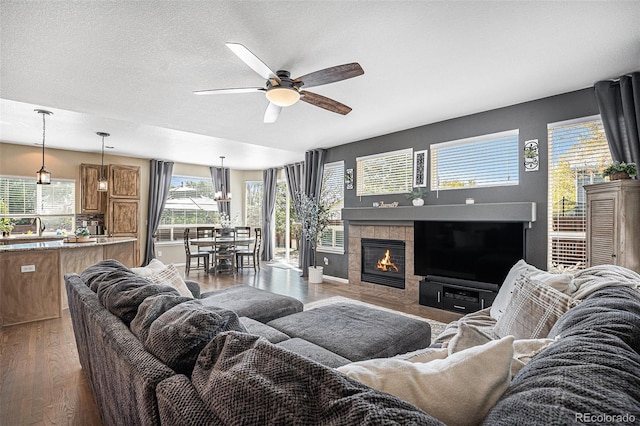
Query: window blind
{"points": [[332, 195], [385, 173], [482, 161], [578, 152], [24, 198]]}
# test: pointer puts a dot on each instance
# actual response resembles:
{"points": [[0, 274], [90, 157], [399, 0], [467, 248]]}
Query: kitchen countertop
{"points": [[60, 244]]}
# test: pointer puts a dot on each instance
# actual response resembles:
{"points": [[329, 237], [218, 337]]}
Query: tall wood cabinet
{"points": [[122, 214], [613, 223]]}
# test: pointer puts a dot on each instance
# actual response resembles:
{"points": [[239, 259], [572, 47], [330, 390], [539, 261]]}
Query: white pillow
{"points": [[170, 276], [457, 390], [424, 355], [145, 271], [558, 281]]}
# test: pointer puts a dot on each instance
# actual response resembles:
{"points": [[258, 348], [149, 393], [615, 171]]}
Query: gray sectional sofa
{"points": [[152, 356]]}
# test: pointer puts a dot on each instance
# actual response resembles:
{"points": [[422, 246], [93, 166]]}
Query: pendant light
{"points": [[222, 195], [103, 184], [43, 175]]}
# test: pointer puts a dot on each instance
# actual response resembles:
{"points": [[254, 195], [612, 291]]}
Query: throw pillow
{"points": [[467, 337], [524, 350], [424, 355], [521, 268], [151, 309], [152, 267], [457, 390], [177, 336], [533, 310], [170, 276]]}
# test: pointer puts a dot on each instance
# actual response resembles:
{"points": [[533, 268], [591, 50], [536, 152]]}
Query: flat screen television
{"points": [[474, 251]]}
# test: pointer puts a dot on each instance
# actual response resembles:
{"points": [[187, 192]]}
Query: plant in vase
{"points": [[314, 217], [82, 233], [417, 196], [227, 224], [6, 223], [619, 170]]}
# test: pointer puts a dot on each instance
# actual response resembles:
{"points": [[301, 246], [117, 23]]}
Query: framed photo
{"points": [[348, 178], [420, 168], [531, 156]]}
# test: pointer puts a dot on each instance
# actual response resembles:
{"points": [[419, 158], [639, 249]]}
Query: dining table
{"points": [[221, 242]]}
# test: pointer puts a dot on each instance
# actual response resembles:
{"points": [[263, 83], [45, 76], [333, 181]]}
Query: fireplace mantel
{"points": [[502, 212]]}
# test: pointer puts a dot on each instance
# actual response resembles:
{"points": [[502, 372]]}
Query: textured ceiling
{"points": [[129, 68]]}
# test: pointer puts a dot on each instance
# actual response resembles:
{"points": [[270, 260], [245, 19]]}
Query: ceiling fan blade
{"points": [[331, 75], [229, 91], [324, 102], [272, 113], [252, 61]]}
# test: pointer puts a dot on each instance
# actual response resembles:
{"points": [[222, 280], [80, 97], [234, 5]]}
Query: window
{"points": [[332, 195], [190, 203], [386, 173], [578, 152], [482, 161], [55, 204], [253, 204]]}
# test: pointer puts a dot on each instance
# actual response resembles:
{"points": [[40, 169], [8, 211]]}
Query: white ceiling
{"points": [[129, 68]]}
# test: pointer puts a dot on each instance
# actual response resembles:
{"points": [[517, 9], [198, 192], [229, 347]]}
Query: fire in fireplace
{"points": [[383, 262]]}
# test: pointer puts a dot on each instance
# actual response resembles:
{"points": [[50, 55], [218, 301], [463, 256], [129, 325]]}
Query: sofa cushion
{"points": [[252, 302], [522, 269], [357, 332], [242, 376], [533, 310], [150, 310], [263, 330], [314, 352], [177, 336], [458, 390], [591, 372]]}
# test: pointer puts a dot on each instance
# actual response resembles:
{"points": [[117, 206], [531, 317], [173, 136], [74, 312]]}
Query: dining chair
{"points": [[224, 255], [252, 253], [243, 232], [190, 256]]}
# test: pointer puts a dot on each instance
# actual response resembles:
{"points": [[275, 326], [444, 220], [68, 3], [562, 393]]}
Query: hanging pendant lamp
{"points": [[222, 195], [43, 175], [103, 184]]}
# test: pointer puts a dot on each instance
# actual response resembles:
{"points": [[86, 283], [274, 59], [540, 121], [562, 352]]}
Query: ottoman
{"points": [[356, 332], [248, 301]]}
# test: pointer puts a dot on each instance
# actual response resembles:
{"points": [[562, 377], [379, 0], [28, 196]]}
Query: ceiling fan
{"points": [[283, 91]]}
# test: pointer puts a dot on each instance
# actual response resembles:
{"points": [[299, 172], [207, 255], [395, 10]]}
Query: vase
{"points": [[417, 202], [619, 175], [315, 274]]}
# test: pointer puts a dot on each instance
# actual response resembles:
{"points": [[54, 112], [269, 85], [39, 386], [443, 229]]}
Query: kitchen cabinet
{"points": [[613, 223], [91, 200], [123, 204], [124, 181]]}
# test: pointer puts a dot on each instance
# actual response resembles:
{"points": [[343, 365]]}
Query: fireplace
{"points": [[383, 262]]}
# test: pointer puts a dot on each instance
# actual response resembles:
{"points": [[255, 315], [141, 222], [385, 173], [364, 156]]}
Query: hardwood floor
{"points": [[42, 383]]}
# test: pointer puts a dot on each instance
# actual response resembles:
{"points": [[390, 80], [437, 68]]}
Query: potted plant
{"points": [[417, 196], [82, 234], [6, 223], [619, 170], [314, 217]]}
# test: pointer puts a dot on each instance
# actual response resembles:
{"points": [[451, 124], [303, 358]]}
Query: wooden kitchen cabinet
{"points": [[91, 200], [613, 223], [124, 181], [123, 204]]}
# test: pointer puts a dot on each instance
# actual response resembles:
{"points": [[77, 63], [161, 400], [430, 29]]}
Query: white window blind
{"points": [[578, 152], [332, 195], [385, 173], [54, 203], [482, 161]]}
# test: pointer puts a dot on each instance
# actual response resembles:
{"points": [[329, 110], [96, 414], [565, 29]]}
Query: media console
{"points": [[456, 295]]}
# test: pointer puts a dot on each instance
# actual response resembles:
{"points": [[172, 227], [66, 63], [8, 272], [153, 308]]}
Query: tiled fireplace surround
{"points": [[386, 232]]}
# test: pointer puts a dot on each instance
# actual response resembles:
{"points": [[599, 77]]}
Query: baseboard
{"points": [[337, 279]]}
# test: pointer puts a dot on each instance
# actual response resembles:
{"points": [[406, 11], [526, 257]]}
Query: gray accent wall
{"points": [[531, 118]]}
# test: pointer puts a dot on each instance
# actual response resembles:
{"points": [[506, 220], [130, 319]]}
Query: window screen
{"points": [[578, 152], [482, 161], [386, 173]]}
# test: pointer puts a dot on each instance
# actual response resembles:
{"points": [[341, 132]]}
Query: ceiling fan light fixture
{"points": [[283, 96]]}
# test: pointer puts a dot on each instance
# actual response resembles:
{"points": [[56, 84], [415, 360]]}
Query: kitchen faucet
{"points": [[39, 225]]}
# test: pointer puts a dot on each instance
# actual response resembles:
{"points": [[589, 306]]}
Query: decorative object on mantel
{"points": [[417, 196], [348, 178], [43, 175], [6, 223], [531, 156], [619, 170], [384, 205], [420, 168], [103, 184]]}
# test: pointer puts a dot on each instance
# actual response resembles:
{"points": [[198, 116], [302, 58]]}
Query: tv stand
{"points": [[456, 295]]}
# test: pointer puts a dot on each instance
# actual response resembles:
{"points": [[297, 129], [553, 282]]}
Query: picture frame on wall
{"points": [[420, 168], [348, 178]]}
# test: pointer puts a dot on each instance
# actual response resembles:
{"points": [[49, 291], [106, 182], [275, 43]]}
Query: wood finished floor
{"points": [[42, 383]]}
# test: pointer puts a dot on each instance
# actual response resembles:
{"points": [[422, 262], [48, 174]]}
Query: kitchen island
{"points": [[32, 274]]}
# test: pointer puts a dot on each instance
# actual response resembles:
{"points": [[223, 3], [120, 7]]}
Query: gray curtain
{"points": [[619, 104], [295, 175], [159, 182], [270, 177], [221, 182], [313, 167]]}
